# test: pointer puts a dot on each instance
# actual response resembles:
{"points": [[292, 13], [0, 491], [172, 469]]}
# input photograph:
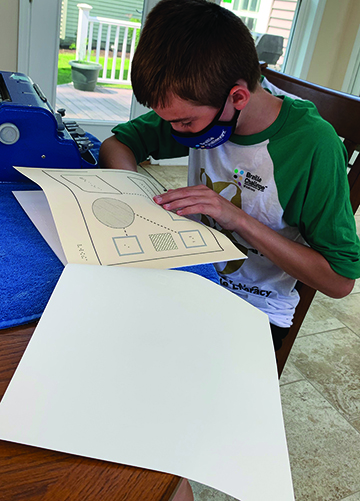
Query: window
{"points": [[247, 10], [273, 17], [251, 5]]}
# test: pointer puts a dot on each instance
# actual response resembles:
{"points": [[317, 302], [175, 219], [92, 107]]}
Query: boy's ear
{"points": [[240, 96]]}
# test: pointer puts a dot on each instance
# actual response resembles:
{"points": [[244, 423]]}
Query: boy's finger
{"points": [[172, 195]]}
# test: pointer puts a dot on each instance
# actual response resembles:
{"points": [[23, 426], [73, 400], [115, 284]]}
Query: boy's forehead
{"points": [[177, 110]]}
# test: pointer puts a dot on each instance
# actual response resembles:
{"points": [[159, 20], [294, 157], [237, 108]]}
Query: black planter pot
{"points": [[84, 74]]}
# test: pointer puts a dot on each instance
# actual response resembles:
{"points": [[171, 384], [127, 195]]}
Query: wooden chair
{"points": [[343, 112]]}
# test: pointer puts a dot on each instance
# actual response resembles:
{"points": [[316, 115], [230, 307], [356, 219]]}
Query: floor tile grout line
{"points": [[355, 333], [322, 332], [352, 330], [351, 495], [291, 382]]}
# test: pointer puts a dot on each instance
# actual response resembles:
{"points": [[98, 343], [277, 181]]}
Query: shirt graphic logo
{"points": [[238, 175], [253, 182]]}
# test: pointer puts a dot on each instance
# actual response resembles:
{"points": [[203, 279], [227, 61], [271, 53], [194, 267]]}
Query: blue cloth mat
{"points": [[205, 270], [29, 269]]}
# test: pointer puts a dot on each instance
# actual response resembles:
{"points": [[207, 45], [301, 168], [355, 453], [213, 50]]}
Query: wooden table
{"points": [[32, 474]]}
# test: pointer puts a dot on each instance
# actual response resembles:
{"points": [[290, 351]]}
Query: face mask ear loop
{"points": [[220, 112], [217, 118], [235, 120]]}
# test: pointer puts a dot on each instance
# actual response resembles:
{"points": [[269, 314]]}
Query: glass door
{"points": [[103, 35]]}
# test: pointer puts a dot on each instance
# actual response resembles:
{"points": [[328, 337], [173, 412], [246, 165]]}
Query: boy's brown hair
{"points": [[195, 50]]}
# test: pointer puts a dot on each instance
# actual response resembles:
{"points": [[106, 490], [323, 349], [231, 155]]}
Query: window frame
{"points": [[303, 38]]}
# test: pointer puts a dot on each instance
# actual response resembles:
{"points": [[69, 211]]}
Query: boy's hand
{"points": [[298, 260], [200, 200]]}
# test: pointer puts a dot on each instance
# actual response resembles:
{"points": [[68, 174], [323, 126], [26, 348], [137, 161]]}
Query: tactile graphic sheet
{"points": [[108, 217]]}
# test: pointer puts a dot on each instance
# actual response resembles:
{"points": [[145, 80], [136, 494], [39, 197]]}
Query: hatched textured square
{"points": [[163, 241]]}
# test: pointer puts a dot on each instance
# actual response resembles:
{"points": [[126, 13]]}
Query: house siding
{"points": [[280, 21], [114, 9]]}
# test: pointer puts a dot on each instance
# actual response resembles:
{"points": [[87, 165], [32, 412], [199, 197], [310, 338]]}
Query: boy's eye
{"points": [[185, 124]]}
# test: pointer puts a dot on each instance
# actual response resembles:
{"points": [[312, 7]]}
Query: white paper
{"points": [[157, 369], [108, 217], [36, 206]]}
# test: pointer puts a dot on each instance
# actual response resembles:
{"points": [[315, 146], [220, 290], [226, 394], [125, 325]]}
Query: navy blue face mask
{"points": [[215, 134]]}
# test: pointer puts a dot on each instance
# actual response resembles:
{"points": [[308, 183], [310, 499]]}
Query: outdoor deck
{"points": [[104, 103]]}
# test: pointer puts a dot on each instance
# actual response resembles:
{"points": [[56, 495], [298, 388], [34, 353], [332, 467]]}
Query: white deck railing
{"points": [[84, 43]]}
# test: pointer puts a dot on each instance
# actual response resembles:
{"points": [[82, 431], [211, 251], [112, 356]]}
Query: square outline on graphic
{"points": [[192, 231], [132, 237]]}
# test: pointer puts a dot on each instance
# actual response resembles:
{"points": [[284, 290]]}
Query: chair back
{"points": [[343, 112]]}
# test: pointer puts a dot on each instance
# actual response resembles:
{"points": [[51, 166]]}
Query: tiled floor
{"points": [[320, 391]]}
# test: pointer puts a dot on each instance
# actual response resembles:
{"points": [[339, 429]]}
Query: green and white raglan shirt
{"points": [[291, 177]]}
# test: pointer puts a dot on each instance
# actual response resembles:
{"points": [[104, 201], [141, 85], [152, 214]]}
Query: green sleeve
{"points": [[315, 195], [149, 135], [327, 219]]}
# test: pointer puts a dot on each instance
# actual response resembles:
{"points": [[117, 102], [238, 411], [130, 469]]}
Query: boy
{"points": [[265, 170]]}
